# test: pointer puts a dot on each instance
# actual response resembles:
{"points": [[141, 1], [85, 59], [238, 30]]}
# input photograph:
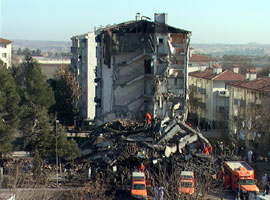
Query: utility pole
{"points": [[56, 152]]}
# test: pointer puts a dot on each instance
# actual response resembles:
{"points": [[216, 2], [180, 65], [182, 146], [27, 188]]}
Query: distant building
{"points": [[5, 51], [83, 63], [141, 67], [210, 88], [199, 62], [51, 66]]}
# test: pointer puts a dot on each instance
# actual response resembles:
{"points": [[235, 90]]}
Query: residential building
{"points": [[141, 67], [83, 62], [5, 51], [210, 88], [251, 93], [199, 62]]}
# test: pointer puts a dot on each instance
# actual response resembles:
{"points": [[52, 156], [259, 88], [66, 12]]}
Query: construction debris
{"points": [[121, 140]]}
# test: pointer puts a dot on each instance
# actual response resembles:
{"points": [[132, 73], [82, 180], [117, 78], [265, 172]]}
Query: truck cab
{"points": [[187, 182], [138, 186]]}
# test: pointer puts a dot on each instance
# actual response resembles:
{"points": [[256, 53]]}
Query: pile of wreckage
{"points": [[121, 141]]}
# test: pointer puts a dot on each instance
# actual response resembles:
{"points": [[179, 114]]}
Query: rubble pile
{"points": [[123, 141]]}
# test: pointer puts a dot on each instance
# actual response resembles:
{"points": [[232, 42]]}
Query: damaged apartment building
{"points": [[141, 67], [128, 69]]}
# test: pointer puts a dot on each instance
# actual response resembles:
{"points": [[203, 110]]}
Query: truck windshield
{"points": [[186, 184], [246, 182], [138, 186]]}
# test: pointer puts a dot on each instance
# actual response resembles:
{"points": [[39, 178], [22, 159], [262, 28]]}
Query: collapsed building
{"points": [[141, 67]]}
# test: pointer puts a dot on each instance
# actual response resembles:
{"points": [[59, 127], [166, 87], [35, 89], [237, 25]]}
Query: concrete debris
{"points": [[122, 141]]}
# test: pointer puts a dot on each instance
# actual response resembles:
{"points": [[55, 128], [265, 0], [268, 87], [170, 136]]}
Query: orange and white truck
{"points": [[187, 183], [239, 176], [138, 186]]}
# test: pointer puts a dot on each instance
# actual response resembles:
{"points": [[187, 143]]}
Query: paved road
{"points": [[226, 195]]}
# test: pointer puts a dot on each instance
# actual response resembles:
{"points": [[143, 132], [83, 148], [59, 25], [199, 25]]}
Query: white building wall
{"points": [[84, 64], [91, 62], [209, 100], [5, 54]]}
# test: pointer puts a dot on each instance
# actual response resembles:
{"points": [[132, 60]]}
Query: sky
{"points": [[210, 21]]}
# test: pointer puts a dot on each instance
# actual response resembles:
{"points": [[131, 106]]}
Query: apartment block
{"points": [[251, 93], [141, 67], [5, 51], [83, 62], [210, 88]]}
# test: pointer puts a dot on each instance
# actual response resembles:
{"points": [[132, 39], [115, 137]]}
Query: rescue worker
{"points": [[227, 180], [205, 149], [148, 119], [141, 167]]}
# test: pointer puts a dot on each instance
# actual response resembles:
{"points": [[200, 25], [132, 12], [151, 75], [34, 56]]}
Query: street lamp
{"points": [[56, 151]]}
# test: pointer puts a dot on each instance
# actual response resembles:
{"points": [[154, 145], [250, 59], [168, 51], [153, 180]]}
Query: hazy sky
{"points": [[211, 21]]}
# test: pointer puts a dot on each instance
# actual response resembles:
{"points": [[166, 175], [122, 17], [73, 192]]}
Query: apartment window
{"points": [[4, 55], [3, 45], [147, 66]]}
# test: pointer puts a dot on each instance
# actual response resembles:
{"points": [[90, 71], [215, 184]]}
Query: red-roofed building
{"points": [[245, 95], [199, 61], [211, 89], [5, 51]]}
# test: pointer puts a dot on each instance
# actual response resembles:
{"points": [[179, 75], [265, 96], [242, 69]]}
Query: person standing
{"points": [[251, 196], [264, 180], [250, 153], [161, 192], [266, 188], [156, 193]]}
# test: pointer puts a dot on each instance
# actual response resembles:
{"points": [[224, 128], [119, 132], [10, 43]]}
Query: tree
{"points": [[67, 149], [36, 99], [66, 94], [194, 105], [9, 100], [253, 118]]}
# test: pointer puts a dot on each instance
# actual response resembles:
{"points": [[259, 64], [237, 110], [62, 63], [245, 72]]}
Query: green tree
{"points": [[66, 94], [36, 98], [66, 149], [9, 100]]}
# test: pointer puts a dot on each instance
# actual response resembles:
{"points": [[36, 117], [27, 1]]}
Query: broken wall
{"points": [[146, 66]]}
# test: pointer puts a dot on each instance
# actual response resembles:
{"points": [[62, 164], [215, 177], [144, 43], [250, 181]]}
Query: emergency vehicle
{"points": [[138, 186], [239, 176], [187, 182]]}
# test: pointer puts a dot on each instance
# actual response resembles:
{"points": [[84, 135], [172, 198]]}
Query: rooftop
{"points": [[262, 84], [2, 40], [200, 58], [143, 26], [226, 75]]}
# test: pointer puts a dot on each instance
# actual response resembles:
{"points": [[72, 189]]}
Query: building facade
{"points": [[83, 62], [210, 88], [5, 51], [141, 67], [245, 96]]}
